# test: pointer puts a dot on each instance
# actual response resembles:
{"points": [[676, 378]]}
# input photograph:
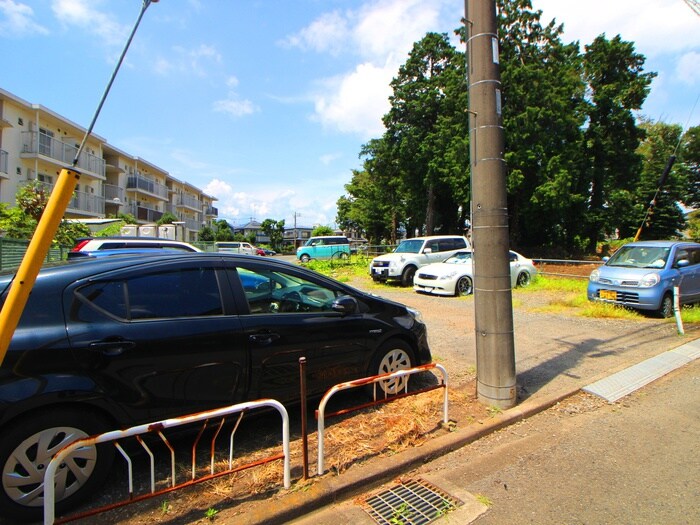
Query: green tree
{"points": [[542, 94], [167, 218], [689, 158], [617, 86], [206, 234], [665, 219], [222, 230], [20, 222], [321, 230], [274, 230], [426, 135]]}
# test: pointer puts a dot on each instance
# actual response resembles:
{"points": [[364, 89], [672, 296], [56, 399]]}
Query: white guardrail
{"points": [[49, 489]]}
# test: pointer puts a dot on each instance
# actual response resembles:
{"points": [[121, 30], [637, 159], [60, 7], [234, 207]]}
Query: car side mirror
{"points": [[345, 304], [428, 251], [682, 263]]}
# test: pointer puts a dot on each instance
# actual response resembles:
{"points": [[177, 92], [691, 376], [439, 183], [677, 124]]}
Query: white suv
{"points": [[411, 254]]}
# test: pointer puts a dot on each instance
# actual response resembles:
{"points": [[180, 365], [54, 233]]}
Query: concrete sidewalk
{"points": [[361, 479]]}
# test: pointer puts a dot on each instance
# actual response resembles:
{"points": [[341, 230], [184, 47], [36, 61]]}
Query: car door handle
{"points": [[111, 348], [263, 339]]}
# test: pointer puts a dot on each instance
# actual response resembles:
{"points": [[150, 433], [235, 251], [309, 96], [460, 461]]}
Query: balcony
{"points": [[210, 211], [3, 162], [82, 202], [39, 144], [188, 201], [144, 213], [145, 185]]}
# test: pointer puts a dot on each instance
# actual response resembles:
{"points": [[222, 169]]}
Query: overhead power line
{"points": [[694, 5]]}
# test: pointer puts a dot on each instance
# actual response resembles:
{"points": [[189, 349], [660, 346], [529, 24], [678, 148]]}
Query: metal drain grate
{"points": [[413, 502]]}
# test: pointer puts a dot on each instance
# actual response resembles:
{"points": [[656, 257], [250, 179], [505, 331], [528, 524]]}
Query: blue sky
{"points": [[265, 104]]}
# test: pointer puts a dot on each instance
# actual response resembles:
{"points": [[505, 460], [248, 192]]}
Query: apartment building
{"points": [[36, 143]]}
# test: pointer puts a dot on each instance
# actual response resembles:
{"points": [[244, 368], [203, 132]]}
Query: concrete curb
{"points": [[332, 489]]}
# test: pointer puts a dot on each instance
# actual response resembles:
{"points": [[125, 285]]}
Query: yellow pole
{"points": [[34, 258]]}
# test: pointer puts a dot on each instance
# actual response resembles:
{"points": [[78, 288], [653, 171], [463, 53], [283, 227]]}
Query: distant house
{"points": [[297, 236]]}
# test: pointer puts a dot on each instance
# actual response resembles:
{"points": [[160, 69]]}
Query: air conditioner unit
{"points": [[129, 231]]}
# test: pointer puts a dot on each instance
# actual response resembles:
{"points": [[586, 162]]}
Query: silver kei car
{"points": [[642, 275]]}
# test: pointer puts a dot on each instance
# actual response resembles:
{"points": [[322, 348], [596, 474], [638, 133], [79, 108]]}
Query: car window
{"points": [[409, 246], [192, 292], [275, 291], [434, 246]]}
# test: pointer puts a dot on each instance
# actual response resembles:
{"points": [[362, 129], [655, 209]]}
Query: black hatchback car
{"points": [[115, 341]]}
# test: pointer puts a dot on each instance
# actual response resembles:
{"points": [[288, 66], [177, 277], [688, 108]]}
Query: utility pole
{"points": [[295, 228], [493, 302]]}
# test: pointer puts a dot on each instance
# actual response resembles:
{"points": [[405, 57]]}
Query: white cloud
{"points": [[234, 106], [355, 102], [656, 27], [327, 34], [688, 68], [382, 33], [83, 14], [195, 61], [18, 20]]}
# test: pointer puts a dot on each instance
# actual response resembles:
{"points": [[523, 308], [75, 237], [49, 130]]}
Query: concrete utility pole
{"points": [[493, 305]]}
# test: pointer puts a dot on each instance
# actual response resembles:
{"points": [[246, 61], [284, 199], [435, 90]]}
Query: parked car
{"points": [[110, 342], [324, 247], [94, 244], [415, 253], [269, 252], [642, 275], [236, 247], [455, 275]]}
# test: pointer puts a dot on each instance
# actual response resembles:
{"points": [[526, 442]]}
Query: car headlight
{"points": [[450, 275], [649, 280], [595, 275], [417, 316]]}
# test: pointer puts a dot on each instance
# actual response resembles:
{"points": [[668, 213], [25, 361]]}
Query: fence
{"points": [[12, 251]]}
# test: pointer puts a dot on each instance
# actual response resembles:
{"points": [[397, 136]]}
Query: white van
{"points": [[235, 247]]}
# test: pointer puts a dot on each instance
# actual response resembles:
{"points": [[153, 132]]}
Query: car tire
{"points": [[407, 275], [26, 448], [464, 286], [666, 309], [392, 356], [524, 279], [305, 258]]}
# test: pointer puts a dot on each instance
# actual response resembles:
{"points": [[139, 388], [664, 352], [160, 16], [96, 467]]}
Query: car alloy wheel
{"points": [[392, 357], [524, 279], [27, 449], [464, 286]]}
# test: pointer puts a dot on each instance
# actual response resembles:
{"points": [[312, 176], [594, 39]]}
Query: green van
{"points": [[325, 247]]}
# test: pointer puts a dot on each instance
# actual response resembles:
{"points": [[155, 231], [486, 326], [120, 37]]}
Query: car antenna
{"points": [[28, 270]]}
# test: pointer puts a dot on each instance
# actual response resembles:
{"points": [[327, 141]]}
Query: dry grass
{"points": [[350, 440]]}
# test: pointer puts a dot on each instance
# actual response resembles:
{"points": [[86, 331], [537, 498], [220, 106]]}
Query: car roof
{"points": [[662, 244], [86, 266], [448, 236]]}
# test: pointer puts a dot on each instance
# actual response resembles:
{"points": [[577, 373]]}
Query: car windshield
{"points": [[410, 246], [459, 258], [639, 257]]}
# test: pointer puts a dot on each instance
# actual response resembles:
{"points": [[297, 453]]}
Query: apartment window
{"points": [[46, 179], [45, 138]]}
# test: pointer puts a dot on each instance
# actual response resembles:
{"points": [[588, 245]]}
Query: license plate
{"points": [[610, 295]]}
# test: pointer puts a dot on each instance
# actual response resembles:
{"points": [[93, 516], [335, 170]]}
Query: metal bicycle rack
{"points": [[320, 413], [157, 428]]}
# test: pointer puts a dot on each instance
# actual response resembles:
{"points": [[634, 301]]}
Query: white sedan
{"points": [[455, 275]]}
